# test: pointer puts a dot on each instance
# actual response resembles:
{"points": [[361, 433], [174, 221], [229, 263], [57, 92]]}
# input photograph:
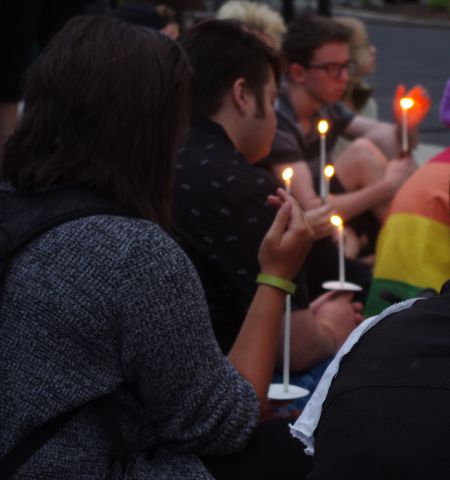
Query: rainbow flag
{"points": [[413, 248]]}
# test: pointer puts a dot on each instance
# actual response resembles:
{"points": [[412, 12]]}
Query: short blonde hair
{"points": [[359, 41], [256, 16]]}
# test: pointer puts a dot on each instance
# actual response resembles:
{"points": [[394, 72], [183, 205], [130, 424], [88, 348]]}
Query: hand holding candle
{"points": [[405, 103], [322, 128], [416, 111]]}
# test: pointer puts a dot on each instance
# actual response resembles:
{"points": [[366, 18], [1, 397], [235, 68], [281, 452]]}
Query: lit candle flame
{"points": [[287, 174], [406, 103], [328, 171], [322, 127], [336, 220]]}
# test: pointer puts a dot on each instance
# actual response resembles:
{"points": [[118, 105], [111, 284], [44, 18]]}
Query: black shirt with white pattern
{"points": [[220, 216]]}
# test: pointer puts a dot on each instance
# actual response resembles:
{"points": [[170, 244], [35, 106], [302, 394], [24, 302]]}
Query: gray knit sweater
{"points": [[110, 305]]}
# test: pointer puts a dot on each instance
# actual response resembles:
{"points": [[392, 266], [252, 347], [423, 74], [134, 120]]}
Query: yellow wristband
{"points": [[277, 282]]}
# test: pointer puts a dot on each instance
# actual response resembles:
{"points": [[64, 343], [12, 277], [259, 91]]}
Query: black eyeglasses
{"points": [[335, 69]]}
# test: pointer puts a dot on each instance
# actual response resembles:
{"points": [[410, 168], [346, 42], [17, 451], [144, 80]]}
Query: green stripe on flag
{"points": [[375, 302]]}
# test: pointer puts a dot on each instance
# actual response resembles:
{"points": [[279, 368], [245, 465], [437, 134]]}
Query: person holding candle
{"points": [[265, 24], [368, 171], [219, 206], [109, 366], [413, 253]]}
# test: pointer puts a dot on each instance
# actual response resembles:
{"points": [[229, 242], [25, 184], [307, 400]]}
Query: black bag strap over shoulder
{"points": [[29, 445], [23, 450], [23, 218]]}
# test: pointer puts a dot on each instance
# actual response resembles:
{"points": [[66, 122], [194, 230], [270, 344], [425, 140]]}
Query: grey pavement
{"points": [[383, 15], [410, 51]]}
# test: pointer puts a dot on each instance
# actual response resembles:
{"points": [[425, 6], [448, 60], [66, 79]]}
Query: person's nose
{"points": [[344, 76]]}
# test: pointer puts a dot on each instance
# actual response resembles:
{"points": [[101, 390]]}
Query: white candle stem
{"points": [[287, 342], [405, 131], [322, 165], [341, 255]]}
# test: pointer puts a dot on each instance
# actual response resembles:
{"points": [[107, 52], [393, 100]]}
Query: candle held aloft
{"points": [[287, 343], [328, 173], [406, 104], [322, 128], [337, 221], [287, 175]]}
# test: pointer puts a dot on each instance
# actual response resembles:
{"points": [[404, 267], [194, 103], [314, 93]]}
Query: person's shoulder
{"points": [[211, 165], [119, 237], [204, 153]]}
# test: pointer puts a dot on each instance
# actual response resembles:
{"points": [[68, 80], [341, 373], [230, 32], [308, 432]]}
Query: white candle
{"points": [[287, 175], [287, 343], [405, 104], [328, 173], [322, 127], [341, 255], [336, 220]]}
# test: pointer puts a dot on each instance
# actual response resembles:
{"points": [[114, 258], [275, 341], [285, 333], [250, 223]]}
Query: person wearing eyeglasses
{"points": [[359, 94], [369, 171]]}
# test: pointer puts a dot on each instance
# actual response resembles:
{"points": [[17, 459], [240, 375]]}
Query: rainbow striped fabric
{"points": [[413, 248]]}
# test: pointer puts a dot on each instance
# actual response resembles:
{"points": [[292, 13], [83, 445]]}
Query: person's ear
{"points": [[240, 95], [296, 73]]}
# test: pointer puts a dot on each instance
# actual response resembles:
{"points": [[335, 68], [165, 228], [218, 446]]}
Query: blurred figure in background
{"points": [[358, 95], [413, 249], [264, 20], [158, 17], [172, 27]]}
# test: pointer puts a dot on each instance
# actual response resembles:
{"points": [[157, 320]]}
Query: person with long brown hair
{"points": [[107, 357]]}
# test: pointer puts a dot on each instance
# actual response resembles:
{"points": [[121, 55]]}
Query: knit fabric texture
{"points": [[111, 306]]}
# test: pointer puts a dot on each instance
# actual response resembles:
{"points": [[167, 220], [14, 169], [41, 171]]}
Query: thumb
{"points": [[346, 296], [399, 92], [280, 222]]}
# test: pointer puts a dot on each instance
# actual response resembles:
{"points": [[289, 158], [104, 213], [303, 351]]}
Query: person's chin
{"points": [[262, 154], [336, 97]]}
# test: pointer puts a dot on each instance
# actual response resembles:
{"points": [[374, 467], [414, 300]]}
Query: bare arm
{"points": [[282, 253], [316, 335], [385, 135], [349, 204], [310, 342]]}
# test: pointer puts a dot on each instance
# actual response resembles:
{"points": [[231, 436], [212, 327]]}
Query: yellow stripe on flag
{"points": [[414, 250]]}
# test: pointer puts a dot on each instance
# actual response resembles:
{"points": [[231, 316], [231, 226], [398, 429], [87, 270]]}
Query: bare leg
{"points": [[360, 165]]}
